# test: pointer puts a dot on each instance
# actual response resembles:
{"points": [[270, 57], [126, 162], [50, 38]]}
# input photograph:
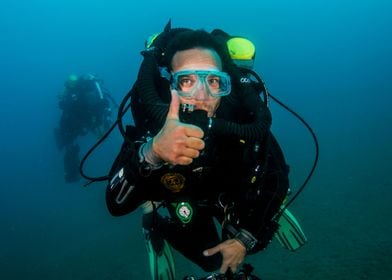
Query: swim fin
{"points": [[160, 255], [290, 234]]}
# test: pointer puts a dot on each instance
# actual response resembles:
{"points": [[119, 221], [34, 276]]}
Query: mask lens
{"points": [[214, 84], [186, 82]]}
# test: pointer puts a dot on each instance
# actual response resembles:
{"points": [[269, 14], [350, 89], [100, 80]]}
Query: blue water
{"points": [[329, 60]]}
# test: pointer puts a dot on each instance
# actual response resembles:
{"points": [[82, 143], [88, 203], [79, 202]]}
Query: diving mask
{"points": [[187, 82]]}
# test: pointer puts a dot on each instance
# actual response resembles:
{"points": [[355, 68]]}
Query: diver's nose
{"points": [[201, 92]]}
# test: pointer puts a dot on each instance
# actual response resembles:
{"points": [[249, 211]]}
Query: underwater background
{"points": [[330, 61]]}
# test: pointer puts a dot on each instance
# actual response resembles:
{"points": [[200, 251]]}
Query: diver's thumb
{"points": [[174, 106]]}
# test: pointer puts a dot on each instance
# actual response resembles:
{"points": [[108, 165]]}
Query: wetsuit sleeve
{"points": [[123, 193]]}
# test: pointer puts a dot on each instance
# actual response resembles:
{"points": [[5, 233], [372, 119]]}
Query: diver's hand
{"points": [[233, 253], [177, 142]]}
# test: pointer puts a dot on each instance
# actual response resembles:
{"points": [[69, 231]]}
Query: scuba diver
{"points": [[201, 152], [86, 107]]}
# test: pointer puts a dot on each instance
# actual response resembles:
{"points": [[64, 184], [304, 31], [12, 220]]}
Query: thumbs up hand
{"points": [[177, 142]]}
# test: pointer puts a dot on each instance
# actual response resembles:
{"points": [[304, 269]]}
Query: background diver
{"points": [[86, 107]]}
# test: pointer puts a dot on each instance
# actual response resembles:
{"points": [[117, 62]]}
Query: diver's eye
{"points": [[187, 82], [213, 82]]}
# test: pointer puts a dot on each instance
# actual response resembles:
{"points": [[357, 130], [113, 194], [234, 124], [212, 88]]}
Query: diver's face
{"points": [[198, 59]]}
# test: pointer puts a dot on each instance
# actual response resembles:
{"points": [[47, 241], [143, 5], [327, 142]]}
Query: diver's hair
{"points": [[197, 39]]}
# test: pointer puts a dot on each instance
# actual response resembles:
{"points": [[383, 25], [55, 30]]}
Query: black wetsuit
{"points": [[241, 177], [240, 183]]}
